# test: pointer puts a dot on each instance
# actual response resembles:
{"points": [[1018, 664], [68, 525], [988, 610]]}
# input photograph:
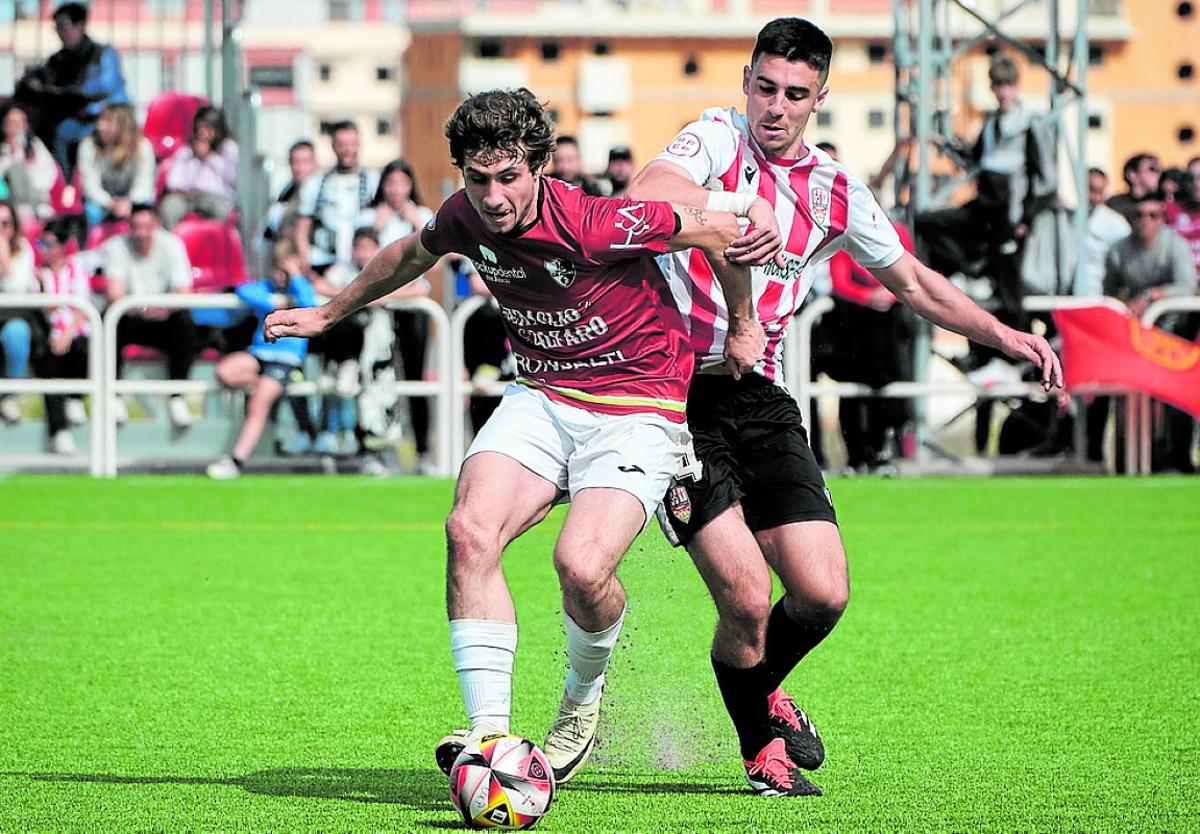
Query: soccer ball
{"points": [[501, 781]]}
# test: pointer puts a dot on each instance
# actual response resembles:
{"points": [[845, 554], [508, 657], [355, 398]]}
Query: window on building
{"points": [[600, 48], [384, 127], [876, 119], [550, 51], [325, 72], [345, 9], [1095, 55], [1095, 121], [690, 65], [489, 49], [877, 53], [1185, 71], [824, 118], [385, 74], [1185, 10], [1186, 134]]}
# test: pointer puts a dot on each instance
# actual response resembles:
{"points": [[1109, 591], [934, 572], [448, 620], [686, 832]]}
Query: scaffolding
{"points": [[932, 38]]}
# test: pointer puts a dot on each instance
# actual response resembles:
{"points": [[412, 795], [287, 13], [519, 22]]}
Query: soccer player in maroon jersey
{"points": [[762, 503], [597, 410]]}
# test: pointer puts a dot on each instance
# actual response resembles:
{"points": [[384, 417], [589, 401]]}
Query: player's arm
{"points": [[662, 180], [392, 267], [932, 296], [711, 232]]}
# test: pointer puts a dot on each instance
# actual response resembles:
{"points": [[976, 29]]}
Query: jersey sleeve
{"points": [[442, 234], [612, 229], [870, 236], [704, 150]]}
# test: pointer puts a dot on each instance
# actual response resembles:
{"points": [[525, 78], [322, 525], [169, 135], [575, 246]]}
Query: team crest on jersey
{"points": [[819, 201], [561, 271], [487, 254], [685, 144], [679, 504]]}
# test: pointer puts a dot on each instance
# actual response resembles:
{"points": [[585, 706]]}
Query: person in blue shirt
{"points": [[68, 92], [264, 368]]}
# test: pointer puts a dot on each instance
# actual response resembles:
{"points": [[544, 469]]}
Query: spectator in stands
{"points": [[16, 326], [1171, 183], [148, 260], [26, 165], [67, 343], [1106, 226], [1151, 264], [285, 211], [1016, 182], [1141, 172], [265, 368], [619, 172], [1184, 215], [397, 213], [116, 166], [70, 89], [566, 164], [203, 175], [331, 205]]}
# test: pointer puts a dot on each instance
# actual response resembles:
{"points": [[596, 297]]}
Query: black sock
{"points": [[788, 642], [745, 694]]}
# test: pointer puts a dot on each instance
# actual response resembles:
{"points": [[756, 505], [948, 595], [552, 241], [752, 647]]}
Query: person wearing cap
{"points": [[619, 172]]}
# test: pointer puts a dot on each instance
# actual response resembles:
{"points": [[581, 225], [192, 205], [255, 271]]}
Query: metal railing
{"points": [[93, 385], [461, 388]]}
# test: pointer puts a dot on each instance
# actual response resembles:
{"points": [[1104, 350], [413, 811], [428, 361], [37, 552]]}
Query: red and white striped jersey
{"points": [[821, 207], [71, 279]]}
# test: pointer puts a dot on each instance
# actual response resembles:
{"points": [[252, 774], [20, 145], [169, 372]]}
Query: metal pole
{"points": [[1053, 40], [208, 49], [1081, 160], [231, 92], [922, 196]]}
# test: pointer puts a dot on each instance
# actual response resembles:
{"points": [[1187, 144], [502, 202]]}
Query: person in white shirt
{"points": [[1106, 226], [760, 503], [149, 260], [330, 206], [27, 166]]}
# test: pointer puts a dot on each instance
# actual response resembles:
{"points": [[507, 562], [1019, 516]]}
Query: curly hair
{"points": [[501, 124]]}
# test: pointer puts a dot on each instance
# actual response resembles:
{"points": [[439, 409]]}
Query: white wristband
{"points": [[730, 201]]}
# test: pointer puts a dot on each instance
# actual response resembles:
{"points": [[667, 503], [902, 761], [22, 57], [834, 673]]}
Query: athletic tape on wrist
{"points": [[731, 201]]}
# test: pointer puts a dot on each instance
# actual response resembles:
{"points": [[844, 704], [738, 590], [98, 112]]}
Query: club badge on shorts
{"points": [[679, 504]]}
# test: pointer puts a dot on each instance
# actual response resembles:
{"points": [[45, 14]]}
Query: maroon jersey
{"points": [[589, 315]]}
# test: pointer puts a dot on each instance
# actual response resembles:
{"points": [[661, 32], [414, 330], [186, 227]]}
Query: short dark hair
{"points": [[300, 144], [1100, 172], [795, 39], [501, 124], [214, 118], [1134, 162], [138, 208], [1003, 70], [366, 231], [1152, 197], [344, 124], [74, 13], [828, 147], [59, 227], [566, 139]]}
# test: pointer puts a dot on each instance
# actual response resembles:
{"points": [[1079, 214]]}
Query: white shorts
{"points": [[576, 449]]}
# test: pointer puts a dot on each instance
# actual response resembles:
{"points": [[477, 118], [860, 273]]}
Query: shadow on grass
{"points": [[423, 790], [648, 783]]}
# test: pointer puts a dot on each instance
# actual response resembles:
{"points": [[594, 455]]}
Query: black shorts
{"points": [[278, 371], [751, 440]]}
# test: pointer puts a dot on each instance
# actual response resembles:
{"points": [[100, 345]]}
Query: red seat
{"points": [[215, 251], [169, 121]]}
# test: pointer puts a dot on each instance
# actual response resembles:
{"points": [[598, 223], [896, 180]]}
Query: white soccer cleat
{"points": [[223, 470], [571, 737], [76, 413], [10, 410], [450, 745], [179, 413], [63, 443]]}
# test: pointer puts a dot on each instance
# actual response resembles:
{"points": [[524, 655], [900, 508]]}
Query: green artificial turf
{"points": [[271, 655]]}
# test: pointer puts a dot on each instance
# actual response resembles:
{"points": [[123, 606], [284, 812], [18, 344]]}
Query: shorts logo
{"points": [[487, 254], [819, 200], [829, 497], [749, 172], [432, 224], [685, 144], [561, 272], [679, 504]]}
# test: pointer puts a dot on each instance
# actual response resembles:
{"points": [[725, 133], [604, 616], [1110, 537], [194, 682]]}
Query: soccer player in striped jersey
{"points": [[597, 410], [761, 503]]}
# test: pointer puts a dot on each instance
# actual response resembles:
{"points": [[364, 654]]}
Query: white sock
{"points": [[483, 658], [588, 653]]}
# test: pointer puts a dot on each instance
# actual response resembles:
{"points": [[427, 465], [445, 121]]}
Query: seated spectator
{"points": [[26, 165], [619, 172], [70, 89], [1106, 226], [1184, 214], [566, 164], [1151, 264], [398, 213], [149, 260], [331, 206], [1172, 182], [16, 326], [69, 328], [265, 368], [1141, 173], [285, 211], [203, 175], [116, 166]]}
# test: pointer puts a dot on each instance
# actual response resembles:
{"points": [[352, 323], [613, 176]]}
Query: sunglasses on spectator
{"points": [[43, 244]]}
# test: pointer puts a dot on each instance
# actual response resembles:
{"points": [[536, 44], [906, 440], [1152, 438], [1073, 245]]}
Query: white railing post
{"points": [[797, 355], [460, 404], [441, 389]]}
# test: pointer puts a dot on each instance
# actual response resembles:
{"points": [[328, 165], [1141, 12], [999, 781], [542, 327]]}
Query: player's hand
{"points": [[1037, 350], [301, 322], [744, 347], [762, 242]]}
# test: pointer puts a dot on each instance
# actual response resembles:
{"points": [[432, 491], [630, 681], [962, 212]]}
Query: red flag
{"points": [[1101, 346]]}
